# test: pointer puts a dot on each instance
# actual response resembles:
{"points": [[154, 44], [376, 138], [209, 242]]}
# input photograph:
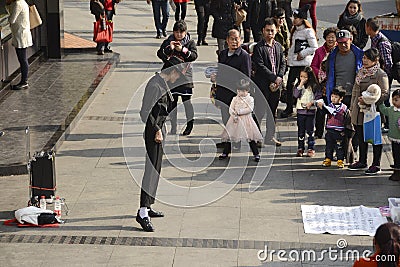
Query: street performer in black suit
{"points": [[156, 105]]}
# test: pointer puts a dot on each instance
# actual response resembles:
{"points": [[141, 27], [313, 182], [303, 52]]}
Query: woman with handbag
{"points": [[370, 73], [103, 10], [18, 18], [303, 43]]}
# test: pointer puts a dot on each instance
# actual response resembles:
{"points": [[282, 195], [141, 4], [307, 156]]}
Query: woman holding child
{"points": [[303, 43], [369, 74]]}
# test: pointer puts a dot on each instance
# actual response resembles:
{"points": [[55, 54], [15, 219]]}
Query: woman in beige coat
{"points": [[370, 73], [18, 11]]}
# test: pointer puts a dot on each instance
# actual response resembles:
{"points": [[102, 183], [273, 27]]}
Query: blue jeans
{"points": [[163, 6], [23, 62]]}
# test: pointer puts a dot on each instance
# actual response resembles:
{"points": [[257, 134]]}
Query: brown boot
{"points": [[395, 176]]}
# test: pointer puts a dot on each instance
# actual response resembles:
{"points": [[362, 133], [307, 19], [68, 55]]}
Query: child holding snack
{"points": [[337, 119], [306, 91]]}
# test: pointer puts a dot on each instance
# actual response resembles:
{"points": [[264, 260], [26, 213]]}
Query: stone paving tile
{"points": [[205, 257], [73, 41], [154, 256], [46, 104], [22, 254]]}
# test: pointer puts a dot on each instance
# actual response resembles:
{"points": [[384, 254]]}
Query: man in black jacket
{"points": [[235, 57], [160, 7], [269, 62], [259, 10], [203, 15], [155, 107]]}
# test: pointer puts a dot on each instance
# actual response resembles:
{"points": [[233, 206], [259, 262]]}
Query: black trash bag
{"points": [[47, 218]]}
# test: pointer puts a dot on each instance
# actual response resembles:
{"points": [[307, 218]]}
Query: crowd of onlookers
{"points": [[331, 87], [326, 85]]}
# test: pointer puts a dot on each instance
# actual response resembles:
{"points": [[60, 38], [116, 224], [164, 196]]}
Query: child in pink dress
{"points": [[241, 125]]}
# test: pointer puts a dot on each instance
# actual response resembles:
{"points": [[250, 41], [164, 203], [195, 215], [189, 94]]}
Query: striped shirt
{"points": [[271, 55], [336, 120], [385, 51]]}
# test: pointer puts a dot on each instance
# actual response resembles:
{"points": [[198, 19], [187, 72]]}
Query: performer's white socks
{"points": [[143, 212]]}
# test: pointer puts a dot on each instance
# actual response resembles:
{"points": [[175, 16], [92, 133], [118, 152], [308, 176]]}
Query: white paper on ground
{"points": [[357, 220]]}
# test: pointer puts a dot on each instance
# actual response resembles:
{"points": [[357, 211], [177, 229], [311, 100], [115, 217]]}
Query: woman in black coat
{"points": [[223, 12], [179, 47]]}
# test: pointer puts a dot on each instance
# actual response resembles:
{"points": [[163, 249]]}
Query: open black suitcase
{"points": [[41, 169]]}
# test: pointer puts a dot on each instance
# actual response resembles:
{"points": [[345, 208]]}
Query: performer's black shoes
{"points": [[145, 223], [153, 213]]}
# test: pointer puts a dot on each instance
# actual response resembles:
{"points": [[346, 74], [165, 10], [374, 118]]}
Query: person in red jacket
{"points": [[387, 248], [180, 5]]}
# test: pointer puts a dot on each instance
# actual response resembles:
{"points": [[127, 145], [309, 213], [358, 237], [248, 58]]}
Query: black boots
{"points": [[286, 113], [189, 128], [201, 42], [395, 176]]}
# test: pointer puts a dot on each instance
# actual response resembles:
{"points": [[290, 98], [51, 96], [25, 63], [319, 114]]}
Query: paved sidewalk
{"points": [[58, 89], [102, 156]]}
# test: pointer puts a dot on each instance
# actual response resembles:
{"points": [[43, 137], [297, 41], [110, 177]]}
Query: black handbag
{"points": [[300, 45]]}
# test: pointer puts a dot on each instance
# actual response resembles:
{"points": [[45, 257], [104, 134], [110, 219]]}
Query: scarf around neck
{"points": [[351, 19], [364, 72]]}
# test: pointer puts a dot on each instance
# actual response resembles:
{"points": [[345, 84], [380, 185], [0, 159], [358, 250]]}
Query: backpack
{"points": [[395, 57]]}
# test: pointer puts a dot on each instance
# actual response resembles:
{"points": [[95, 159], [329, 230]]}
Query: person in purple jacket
{"points": [[307, 91], [338, 124]]}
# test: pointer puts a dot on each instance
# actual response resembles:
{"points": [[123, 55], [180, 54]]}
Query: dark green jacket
{"points": [[282, 37], [394, 119]]}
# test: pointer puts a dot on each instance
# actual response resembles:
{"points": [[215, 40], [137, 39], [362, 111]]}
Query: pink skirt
{"points": [[244, 129]]}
